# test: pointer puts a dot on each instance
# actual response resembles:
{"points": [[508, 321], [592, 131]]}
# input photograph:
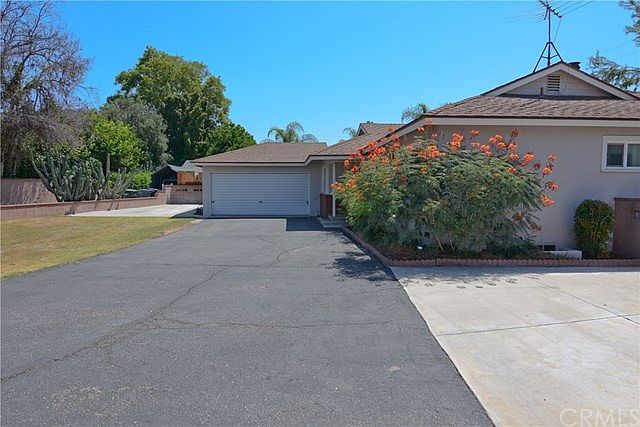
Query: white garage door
{"points": [[260, 194]]}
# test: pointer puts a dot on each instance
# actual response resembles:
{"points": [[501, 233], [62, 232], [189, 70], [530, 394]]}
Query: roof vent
{"points": [[553, 84]]}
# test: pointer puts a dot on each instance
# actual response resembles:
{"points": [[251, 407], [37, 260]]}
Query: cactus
{"points": [[73, 179], [69, 179]]}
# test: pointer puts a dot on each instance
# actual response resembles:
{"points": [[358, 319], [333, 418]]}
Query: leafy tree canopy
{"points": [[189, 98], [226, 137], [623, 76], [293, 132], [116, 139], [148, 125]]}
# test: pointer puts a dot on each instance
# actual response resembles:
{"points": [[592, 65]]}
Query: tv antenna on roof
{"points": [[549, 13]]}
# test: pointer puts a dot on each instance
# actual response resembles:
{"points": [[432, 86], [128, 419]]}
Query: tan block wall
{"points": [[24, 191], [184, 194], [9, 212]]}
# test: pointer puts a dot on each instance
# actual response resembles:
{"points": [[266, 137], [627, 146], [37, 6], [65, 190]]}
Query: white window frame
{"points": [[618, 140], [326, 178]]}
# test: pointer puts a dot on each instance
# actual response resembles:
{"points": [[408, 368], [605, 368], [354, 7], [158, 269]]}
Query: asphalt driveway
{"points": [[226, 322]]}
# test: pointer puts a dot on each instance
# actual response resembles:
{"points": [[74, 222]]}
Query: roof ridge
{"points": [[284, 143], [380, 123], [237, 149], [344, 141], [267, 152], [560, 64], [435, 111]]}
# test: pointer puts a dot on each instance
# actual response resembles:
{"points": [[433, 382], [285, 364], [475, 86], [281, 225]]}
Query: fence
{"points": [[8, 212], [19, 191]]}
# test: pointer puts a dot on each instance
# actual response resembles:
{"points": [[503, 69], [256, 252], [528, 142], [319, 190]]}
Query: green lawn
{"points": [[31, 244]]}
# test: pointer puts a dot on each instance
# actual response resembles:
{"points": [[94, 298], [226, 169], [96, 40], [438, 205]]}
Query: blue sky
{"points": [[331, 65]]}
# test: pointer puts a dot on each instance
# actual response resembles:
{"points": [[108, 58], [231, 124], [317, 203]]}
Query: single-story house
{"points": [[279, 179], [187, 174], [591, 126]]}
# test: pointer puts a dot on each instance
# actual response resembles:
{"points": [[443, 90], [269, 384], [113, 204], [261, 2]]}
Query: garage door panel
{"points": [[260, 194]]}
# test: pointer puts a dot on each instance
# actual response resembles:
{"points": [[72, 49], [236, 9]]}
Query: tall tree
{"points": [[623, 76], [413, 112], [42, 68], [226, 137], [148, 125], [189, 98], [351, 132], [293, 132], [116, 140]]}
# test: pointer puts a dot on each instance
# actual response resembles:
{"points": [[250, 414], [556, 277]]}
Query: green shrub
{"points": [[141, 180], [594, 221], [469, 198]]}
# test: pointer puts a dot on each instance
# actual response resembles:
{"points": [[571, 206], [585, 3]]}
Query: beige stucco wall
{"points": [[577, 170], [315, 179]]}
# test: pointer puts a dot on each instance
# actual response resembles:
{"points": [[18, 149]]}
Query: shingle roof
{"points": [[370, 127], [374, 131], [344, 148], [187, 166], [540, 108], [268, 152]]}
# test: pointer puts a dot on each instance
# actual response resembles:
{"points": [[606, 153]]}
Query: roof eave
{"points": [[313, 157]]}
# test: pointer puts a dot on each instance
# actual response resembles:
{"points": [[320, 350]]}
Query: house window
{"points": [[621, 153]]}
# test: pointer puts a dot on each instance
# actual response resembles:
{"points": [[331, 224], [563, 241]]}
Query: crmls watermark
{"points": [[586, 417]]}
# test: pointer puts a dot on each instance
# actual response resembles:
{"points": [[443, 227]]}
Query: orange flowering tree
{"points": [[465, 194]]}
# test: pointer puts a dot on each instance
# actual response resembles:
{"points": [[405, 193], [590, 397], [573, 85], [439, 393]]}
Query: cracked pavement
{"points": [[227, 322]]}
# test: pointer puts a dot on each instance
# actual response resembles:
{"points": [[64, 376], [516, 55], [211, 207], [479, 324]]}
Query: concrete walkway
{"points": [[539, 346], [162, 211]]}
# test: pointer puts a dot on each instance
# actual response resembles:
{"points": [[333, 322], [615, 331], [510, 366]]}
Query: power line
{"points": [[625, 56], [557, 29], [521, 19], [566, 5], [617, 46], [583, 4]]}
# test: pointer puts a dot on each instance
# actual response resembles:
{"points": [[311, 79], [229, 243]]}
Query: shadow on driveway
{"points": [[226, 322], [356, 265]]}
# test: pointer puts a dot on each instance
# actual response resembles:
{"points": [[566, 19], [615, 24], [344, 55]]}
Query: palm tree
{"points": [[412, 113], [292, 133], [351, 132]]}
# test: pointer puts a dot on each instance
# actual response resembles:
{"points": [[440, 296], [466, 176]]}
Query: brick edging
{"points": [[472, 262]]}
